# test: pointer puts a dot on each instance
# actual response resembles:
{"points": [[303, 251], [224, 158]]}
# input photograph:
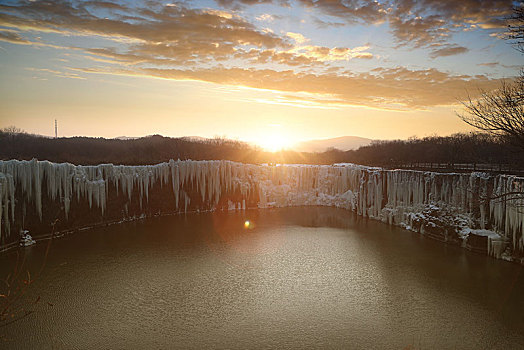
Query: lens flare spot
{"points": [[247, 224]]}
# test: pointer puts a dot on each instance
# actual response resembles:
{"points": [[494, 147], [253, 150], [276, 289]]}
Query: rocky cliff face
{"points": [[474, 210]]}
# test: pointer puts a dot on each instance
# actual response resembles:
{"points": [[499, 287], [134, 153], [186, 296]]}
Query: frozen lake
{"points": [[296, 278]]}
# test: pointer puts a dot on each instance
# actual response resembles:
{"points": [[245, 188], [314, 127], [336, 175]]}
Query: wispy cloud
{"points": [[489, 64], [13, 37], [57, 73], [398, 88], [449, 51]]}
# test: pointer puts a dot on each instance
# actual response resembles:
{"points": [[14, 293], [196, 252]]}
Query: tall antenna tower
{"points": [[56, 129]]}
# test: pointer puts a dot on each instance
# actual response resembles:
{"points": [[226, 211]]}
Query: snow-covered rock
{"points": [[26, 239]]}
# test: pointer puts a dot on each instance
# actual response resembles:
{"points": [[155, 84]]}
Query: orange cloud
{"points": [[397, 88]]}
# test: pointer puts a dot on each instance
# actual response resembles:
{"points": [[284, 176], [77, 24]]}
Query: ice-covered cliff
{"points": [[448, 206]]}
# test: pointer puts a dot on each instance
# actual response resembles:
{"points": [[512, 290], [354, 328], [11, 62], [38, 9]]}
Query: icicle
{"points": [[7, 202], [387, 195]]}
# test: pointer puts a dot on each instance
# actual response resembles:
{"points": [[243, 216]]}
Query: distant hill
{"points": [[343, 143]]}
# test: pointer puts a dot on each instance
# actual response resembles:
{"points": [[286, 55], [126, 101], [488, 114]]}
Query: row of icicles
{"points": [[387, 195]]}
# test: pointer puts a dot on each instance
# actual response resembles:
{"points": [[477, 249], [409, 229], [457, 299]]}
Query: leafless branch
{"points": [[499, 112], [13, 305], [516, 28]]}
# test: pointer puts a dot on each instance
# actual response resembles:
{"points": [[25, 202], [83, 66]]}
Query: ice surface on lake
{"points": [[399, 197]]}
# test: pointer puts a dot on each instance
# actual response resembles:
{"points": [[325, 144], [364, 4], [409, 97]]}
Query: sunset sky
{"points": [[299, 69]]}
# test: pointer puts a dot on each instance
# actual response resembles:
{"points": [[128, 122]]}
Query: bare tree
{"points": [[516, 28], [12, 130], [499, 112]]}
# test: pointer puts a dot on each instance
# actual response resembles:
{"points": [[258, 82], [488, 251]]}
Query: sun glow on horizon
{"points": [[275, 140]]}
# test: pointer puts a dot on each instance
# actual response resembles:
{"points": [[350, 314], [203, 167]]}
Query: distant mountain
{"points": [[342, 143]]}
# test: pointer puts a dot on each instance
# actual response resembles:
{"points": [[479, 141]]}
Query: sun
{"points": [[275, 141]]}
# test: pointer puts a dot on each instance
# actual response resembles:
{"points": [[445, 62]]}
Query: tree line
{"points": [[470, 148]]}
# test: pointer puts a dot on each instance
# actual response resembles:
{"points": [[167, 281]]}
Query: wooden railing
{"points": [[461, 167]]}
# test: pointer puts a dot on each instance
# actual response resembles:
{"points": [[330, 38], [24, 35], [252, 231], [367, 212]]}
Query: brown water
{"points": [[301, 278]]}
